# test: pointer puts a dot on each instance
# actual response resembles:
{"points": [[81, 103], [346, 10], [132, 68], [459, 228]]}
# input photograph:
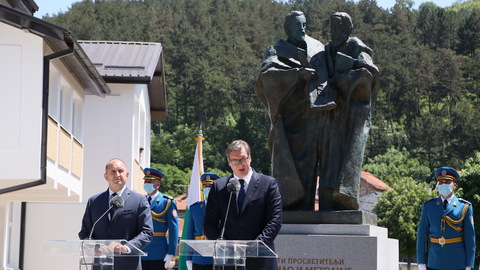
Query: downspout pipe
{"points": [[46, 84], [43, 159]]}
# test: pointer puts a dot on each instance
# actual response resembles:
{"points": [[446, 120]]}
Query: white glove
{"points": [[422, 266], [189, 264], [468, 268], [167, 259]]}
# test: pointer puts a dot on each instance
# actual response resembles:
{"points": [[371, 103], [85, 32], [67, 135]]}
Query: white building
{"points": [[67, 107]]}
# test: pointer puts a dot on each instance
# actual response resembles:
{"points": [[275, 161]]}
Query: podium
{"points": [[227, 252], [93, 254]]}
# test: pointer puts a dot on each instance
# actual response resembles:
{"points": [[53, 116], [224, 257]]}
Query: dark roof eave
{"points": [[128, 80]]}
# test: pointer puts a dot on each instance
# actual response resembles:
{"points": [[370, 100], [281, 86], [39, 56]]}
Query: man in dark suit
{"points": [[258, 217], [132, 222]]}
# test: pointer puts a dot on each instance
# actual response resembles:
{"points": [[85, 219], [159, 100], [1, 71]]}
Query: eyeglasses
{"points": [[235, 162]]}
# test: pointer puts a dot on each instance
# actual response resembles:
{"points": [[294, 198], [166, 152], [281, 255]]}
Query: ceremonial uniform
{"points": [[446, 237], [196, 213], [195, 230], [165, 225], [164, 214]]}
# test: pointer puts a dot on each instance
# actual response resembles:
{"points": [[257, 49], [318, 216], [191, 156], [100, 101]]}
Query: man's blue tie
{"points": [[241, 195]]}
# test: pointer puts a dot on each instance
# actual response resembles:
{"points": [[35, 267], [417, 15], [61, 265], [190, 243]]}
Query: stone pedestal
{"points": [[329, 217], [336, 247]]}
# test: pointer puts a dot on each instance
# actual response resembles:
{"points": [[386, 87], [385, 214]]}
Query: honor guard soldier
{"points": [[165, 223], [446, 235], [195, 224]]}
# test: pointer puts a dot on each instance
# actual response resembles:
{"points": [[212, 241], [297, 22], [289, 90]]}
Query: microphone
{"points": [[233, 186], [115, 203]]}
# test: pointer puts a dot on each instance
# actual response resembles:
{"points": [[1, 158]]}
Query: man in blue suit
{"points": [[132, 222], [165, 223], [196, 214], [446, 236], [257, 217]]}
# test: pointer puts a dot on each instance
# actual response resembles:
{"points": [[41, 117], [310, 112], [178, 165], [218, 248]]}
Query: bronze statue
{"points": [[319, 100]]}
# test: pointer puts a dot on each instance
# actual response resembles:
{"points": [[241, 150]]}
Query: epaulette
{"points": [[167, 196], [464, 201]]}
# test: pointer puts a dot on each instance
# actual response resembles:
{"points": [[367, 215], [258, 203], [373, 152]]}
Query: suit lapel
{"points": [[125, 195], [252, 189]]}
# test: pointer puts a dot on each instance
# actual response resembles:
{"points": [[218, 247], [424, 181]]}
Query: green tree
{"points": [[395, 164], [175, 181], [399, 210], [469, 34]]}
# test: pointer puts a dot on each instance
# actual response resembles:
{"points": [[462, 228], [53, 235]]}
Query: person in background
{"points": [[195, 224], [255, 211], [165, 218], [132, 222], [446, 236]]}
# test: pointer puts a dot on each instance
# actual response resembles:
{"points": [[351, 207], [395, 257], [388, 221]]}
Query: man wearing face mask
{"points": [[195, 224], [164, 214], [446, 235]]}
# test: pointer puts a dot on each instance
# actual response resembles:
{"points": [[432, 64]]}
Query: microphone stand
{"points": [[90, 235], [226, 217], [222, 232], [93, 227], [233, 186]]}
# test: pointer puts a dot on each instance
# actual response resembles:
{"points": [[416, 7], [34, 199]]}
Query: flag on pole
{"points": [[195, 187], [194, 193]]}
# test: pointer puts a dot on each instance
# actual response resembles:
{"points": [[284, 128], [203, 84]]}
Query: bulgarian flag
{"points": [[194, 193]]}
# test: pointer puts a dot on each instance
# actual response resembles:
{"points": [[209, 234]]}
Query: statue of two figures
{"points": [[319, 99]]}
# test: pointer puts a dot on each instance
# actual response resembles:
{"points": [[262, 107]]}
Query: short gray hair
{"points": [[238, 145]]}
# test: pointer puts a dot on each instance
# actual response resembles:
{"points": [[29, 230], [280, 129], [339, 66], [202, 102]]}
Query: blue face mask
{"points": [[445, 189], [206, 191], [148, 187]]}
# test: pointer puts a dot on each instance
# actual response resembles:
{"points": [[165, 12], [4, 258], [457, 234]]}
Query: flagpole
{"points": [[194, 191]]}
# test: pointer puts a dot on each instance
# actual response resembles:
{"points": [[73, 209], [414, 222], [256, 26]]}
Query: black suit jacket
{"points": [[260, 218], [133, 222]]}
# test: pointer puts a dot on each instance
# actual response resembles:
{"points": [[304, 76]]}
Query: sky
{"points": [[55, 6]]}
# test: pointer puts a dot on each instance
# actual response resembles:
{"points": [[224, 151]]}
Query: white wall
{"points": [[111, 130], [21, 69], [51, 221]]}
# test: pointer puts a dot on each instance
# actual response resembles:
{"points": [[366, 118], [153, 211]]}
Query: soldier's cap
{"points": [[151, 173], [447, 173], [209, 177]]}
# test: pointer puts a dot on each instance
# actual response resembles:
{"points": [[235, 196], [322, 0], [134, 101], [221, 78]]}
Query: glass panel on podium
{"points": [[227, 252], [93, 254]]}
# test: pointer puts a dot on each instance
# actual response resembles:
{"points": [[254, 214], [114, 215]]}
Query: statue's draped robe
{"points": [[344, 130], [306, 143], [293, 138]]}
